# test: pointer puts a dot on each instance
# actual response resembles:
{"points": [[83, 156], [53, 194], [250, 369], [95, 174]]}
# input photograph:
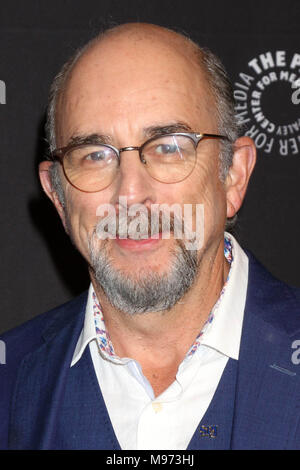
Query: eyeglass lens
{"points": [[168, 159]]}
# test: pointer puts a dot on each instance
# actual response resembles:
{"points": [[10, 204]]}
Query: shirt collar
{"points": [[224, 334], [88, 332], [216, 334]]}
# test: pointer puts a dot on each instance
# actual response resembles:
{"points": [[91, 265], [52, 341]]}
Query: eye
{"points": [[166, 149], [97, 156]]}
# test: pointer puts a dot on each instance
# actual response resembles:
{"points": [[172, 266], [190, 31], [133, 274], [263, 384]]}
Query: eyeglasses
{"points": [[168, 158]]}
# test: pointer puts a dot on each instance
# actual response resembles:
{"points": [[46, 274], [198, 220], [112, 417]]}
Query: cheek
{"points": [[81, 210], [209, 191]]}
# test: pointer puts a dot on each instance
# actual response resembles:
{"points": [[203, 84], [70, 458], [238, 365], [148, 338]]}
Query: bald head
{"points": [[141, 49], [139, 40], [138, 32], [138, 55]]}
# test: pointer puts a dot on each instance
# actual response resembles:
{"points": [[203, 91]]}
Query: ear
{"points": [[238, 176], [45, 180]]}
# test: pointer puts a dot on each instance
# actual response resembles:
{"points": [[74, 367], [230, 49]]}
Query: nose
{"points": [[133, 181]]}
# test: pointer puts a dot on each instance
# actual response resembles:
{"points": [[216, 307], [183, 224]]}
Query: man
{"points": [[176, 345]]}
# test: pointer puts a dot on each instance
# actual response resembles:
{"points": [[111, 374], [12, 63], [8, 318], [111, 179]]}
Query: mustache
{"points": [[146, 224]]}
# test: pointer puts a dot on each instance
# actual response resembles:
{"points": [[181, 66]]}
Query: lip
{"points": [[138, 245]]}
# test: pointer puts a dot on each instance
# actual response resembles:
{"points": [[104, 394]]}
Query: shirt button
{"points": [[157, 406]]}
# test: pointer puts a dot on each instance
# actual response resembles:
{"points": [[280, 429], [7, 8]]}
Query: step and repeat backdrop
{"points": [[259, 43]]}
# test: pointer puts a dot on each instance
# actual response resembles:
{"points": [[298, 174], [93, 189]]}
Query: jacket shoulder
{"points": [[25, 339], [29, 335], [276, 302]]}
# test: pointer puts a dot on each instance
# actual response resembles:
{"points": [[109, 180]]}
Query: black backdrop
{"points": [[260, 40]]}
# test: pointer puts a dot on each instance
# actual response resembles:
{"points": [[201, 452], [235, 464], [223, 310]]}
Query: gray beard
{"points": [[145, 291]]}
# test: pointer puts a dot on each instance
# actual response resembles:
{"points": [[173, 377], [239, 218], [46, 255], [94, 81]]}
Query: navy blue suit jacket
{"points": [[267, 401]]}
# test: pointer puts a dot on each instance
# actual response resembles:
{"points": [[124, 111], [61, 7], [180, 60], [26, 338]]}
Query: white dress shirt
{"points": [[168, 421]]}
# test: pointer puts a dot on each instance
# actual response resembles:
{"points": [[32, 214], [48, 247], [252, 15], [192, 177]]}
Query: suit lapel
{"points": [[83, 421], [215, 428]]}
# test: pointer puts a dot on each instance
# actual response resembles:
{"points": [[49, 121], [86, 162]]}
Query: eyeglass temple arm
{"points": [[214, 136]]}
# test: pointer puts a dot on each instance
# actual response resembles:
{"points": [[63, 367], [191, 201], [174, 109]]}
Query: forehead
{"points": [[142, 79]]}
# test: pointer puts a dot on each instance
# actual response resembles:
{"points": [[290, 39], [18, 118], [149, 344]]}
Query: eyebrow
{"points": [[89, 139], [148, 132], [167, 129]]}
